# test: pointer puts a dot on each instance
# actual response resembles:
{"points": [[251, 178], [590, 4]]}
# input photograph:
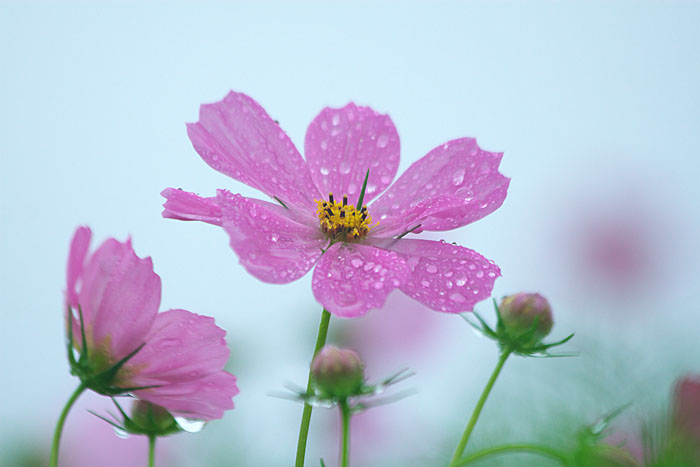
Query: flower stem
{"points": [[151, 450], [534, 448], [477, 410], [345, 421], [53, 462], [306, 416]]}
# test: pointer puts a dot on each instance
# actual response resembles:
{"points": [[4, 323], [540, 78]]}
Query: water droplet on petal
{"points": [[431, 269], [324, 171], [458, 177], [457, 297], [121, 433], [382, 141], [344, 168], [190, 425], [356, 262]]}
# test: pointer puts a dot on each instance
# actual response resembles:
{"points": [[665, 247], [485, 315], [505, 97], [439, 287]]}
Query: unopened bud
{"points": [[338, 372], [522, 312], [151, 418]]}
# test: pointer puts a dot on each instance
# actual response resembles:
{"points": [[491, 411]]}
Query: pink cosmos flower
{"points": [[179, 353], [359, 252]]}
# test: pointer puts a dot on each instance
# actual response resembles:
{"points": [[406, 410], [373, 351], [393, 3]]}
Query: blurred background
{"points": [[595, 106]]}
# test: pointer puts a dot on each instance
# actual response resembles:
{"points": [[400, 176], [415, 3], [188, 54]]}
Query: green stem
{"points": [[534, 448], [477, 410], [306, 416], [53, 462], [151, 450], [345, 420]]}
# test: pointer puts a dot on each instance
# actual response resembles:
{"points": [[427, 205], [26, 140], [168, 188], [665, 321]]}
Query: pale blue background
{"points": [[584, 99]]}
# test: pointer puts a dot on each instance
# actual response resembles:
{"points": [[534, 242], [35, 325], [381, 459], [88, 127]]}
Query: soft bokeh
{"points": [[595, 106]]}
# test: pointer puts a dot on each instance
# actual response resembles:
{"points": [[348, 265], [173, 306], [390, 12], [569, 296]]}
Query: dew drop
{"points": [[479, 274], [344, 168], [336, 119], [190, 425], [121, 433], [458, 177], [431, 269], [457, 297], [382, 141], [425, 283], [356, 262], [352, 188], [274, 237], [324, 171]]}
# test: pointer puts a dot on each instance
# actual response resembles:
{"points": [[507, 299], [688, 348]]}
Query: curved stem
{"points": [[533, 448], [306, 416], [151, 450], [479, 405], [53, 462], [345, 422]]}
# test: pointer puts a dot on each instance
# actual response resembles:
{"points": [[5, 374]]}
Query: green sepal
{"points": [[362, 192], [149, 428], [519, 344]]}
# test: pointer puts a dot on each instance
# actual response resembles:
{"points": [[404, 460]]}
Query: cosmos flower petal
{"points": [[457, 168], [415, 216], [119, 297], [76, 261], [270, 244], [352, 279], [186, 206], [341, 144], [181, 346], [203, 399], [238, 138], [443, 276]]}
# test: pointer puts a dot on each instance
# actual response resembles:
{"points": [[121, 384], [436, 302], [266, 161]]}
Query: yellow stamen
{"points": [[343, 222]]}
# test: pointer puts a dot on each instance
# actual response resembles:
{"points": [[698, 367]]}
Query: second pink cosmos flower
{"points": [[360, 252]]}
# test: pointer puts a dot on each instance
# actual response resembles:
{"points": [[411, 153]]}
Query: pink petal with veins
{"points": [[186, 206], [352, 279], [238, 138], [271, 244], [445, 277], [457, 168], [119, 297], [341, 144]]}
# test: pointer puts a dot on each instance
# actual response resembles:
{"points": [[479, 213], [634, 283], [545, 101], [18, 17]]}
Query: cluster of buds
{"points": [[523, 320]]}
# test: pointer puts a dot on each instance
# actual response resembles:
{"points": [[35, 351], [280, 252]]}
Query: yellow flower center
{"points": [[343, 222]]}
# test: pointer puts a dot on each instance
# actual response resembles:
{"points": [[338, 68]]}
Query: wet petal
{"points": [[186, 206], [238, 138], [352, 279], [271, 244], [76, 261], [119, 297], [203, 399], [181, 346], [459, 169], [445, 277], [341, 144]]}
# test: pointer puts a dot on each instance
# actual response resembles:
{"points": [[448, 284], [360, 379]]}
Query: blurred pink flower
{"points": [[182, 353], [359, 263], [686, 407]]}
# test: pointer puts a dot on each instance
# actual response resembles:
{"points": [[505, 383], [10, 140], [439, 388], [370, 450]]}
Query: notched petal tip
{"points": [[187, 206]]}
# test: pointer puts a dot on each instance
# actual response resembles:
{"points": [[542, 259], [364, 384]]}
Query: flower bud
{"points": [[152, 418], [523, 311], [338, 372]]}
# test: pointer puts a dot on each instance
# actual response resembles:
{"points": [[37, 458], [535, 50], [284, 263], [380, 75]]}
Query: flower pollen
{"points": [[341, 221]]}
